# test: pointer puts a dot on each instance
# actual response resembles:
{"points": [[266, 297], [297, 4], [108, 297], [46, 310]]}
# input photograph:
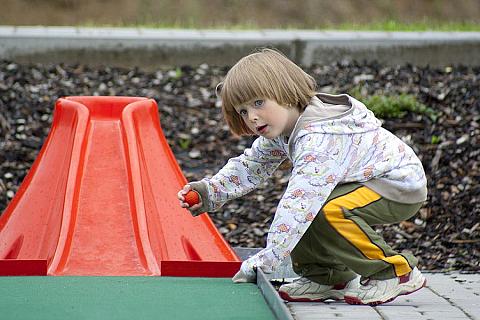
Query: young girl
{"points": [[348, 174]]}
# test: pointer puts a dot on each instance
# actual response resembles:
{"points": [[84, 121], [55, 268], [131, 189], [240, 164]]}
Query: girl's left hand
{"points": [[241, 277]]}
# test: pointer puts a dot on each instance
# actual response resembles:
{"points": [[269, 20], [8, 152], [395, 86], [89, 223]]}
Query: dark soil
{"points": [[445, 235]]}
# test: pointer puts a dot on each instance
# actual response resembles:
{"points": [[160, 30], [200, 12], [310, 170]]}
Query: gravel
{"points": [[445, 235]]}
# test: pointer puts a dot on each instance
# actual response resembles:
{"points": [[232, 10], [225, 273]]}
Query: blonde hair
{"points": [[266, 74]]}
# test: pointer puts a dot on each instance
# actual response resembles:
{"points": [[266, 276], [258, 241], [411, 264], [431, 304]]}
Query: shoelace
{"points": [[368, 281], [372, 282], [301, 281]]}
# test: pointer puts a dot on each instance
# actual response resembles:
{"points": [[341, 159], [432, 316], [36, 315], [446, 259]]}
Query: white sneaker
{"points": [[375, 292], [305, 290]]}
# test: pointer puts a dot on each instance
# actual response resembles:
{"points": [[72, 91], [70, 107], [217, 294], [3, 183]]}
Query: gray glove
{"points": [[202, 191], [241, 277]]}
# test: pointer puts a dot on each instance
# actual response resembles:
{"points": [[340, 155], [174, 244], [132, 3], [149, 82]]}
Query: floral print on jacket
{"points": [[352, 148]]}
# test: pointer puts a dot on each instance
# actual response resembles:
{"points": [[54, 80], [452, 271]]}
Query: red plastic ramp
{"points": [[100, 199]]}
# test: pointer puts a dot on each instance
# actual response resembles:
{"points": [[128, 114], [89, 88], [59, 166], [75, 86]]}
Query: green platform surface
{"points": [[129, 298]]}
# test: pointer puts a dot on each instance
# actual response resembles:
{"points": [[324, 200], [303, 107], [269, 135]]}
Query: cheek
{"points": [[248, 124], [251, 126], [280, 117]]}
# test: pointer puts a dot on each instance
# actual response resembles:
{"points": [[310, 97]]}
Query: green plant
{"points": [[393, 106], [184, 143], [435, 139], [178, 73]]}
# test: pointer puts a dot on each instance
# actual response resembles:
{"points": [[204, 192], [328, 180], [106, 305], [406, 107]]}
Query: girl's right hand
{"points": [[181, 196]]}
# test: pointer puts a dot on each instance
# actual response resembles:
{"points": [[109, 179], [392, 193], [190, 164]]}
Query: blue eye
{"points": [[258, 103], [242, 112]]}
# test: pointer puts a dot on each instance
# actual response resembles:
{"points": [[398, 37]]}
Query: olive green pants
{"points": [[340, 243]]}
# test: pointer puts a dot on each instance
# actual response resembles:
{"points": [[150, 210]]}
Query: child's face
{"points": [[268, 119]]}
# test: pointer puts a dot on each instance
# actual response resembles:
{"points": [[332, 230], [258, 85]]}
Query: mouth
{"points": [[262, 129]]}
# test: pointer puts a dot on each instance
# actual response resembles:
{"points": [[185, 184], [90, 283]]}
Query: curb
{"points": [[152, 48], [272, 298]]}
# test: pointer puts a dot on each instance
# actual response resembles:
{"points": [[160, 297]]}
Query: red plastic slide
{"points": [[100, 199]]}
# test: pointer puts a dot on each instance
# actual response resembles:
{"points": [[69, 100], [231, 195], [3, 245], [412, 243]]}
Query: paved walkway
{"points": [[447, 296]]}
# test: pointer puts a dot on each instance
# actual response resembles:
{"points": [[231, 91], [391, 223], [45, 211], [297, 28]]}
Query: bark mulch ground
{"points": [[445, 235]]}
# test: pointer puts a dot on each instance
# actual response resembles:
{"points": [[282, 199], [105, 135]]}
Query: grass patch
{"points": [[388, 25], [393, 106], [392, 25]]}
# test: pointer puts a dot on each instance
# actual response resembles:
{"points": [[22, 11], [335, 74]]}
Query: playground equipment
{"points": [[100, 199]]}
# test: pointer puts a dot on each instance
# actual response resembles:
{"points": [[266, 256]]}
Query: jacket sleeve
{"points": [[244, 173], [317, 171]]}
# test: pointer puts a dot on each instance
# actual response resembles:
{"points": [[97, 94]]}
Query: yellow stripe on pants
{"points": [[353, 233]]}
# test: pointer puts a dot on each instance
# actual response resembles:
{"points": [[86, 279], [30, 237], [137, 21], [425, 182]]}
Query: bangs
{"points": [[243, 86]]}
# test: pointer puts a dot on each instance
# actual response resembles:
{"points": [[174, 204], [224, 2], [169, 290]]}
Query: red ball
{"points": [[192, 198]]}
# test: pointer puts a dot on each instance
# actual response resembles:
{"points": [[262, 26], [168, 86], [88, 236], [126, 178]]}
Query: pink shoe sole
{"points": [[357, 301]]}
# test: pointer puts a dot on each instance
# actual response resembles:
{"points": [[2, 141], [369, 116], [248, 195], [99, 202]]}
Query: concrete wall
{"points": [[152, 48]]}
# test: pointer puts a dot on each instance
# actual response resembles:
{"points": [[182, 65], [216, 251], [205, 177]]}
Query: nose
{"points": [[252, 116]]}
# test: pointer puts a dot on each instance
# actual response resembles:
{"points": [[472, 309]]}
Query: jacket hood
{"points": [[334, 114]]}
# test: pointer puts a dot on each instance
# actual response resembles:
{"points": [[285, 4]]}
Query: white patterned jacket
{"points": [[336, 140]]}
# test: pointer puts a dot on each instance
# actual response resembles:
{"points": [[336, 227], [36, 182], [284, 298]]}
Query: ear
{"points": [[218, 89]]}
